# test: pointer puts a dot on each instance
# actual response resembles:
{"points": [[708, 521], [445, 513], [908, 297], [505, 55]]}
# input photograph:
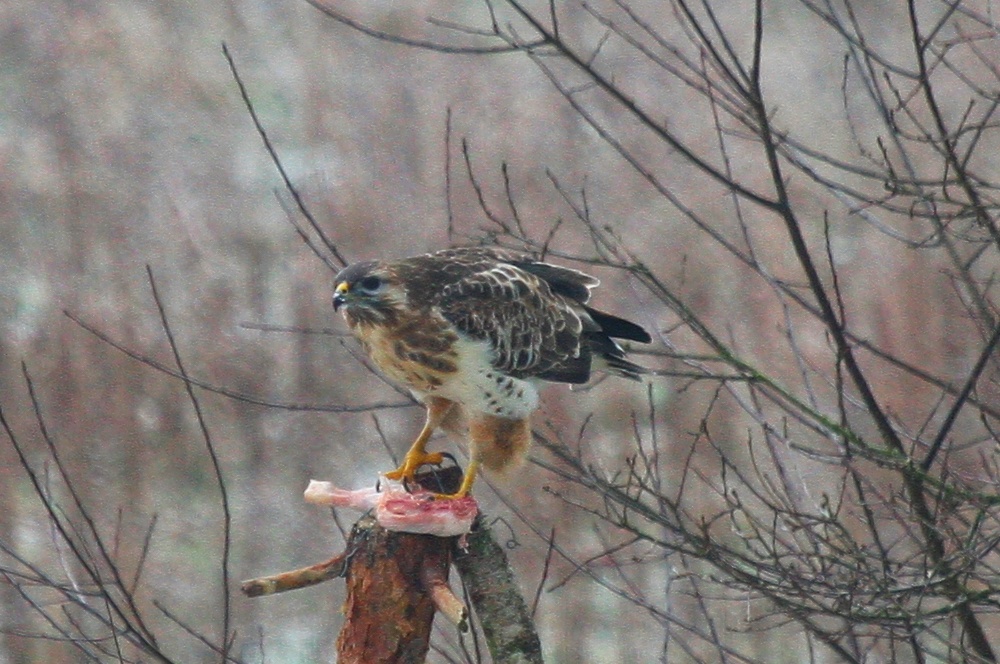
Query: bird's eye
{"points": [[370, 284]]}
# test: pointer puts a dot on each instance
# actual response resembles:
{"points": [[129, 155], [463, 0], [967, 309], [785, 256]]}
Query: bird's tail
{"points": [[616, 363], [611, 356]]}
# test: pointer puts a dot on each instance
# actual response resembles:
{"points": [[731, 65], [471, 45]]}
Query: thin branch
{"points": [[227, 521], [327, 242]]}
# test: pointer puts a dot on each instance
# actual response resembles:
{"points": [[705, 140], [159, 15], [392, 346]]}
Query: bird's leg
{"points": [[467, 481], [416, 456]]}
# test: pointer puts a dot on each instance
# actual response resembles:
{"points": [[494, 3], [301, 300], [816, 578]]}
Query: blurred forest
{"points": [[124, 143]]}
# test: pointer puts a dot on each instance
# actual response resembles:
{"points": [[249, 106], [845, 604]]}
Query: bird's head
{"points": [[368, 292]]}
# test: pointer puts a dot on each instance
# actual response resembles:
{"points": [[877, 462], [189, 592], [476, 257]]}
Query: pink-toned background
{"points": [[123, 142]]}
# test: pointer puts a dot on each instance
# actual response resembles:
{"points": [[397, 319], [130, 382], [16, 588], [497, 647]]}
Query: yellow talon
{"points": [[467, 480], [412, 462], [415, 457]]}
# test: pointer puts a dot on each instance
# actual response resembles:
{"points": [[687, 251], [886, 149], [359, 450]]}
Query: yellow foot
{"points": [[467, 480], [412, 462]]}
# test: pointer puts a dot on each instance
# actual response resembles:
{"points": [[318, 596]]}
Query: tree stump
{"points": [[388, 612], [397, 581]]}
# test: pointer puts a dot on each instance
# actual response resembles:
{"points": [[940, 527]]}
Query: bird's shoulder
{"points": [[492, 273], [526, 311]]}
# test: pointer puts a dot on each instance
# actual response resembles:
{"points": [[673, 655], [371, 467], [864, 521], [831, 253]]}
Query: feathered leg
{"points": [[499, 443], [417, 456]]}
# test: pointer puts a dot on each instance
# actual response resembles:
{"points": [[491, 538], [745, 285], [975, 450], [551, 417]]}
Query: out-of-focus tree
{"points": [[859, 503], [799, 198]]}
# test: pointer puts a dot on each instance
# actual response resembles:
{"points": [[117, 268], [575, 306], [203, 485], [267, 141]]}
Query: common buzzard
{"points": [[470, 331]]}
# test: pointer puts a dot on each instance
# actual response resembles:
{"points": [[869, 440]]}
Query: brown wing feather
{"points": [[562, 280], [532, 314], [530, 329]]}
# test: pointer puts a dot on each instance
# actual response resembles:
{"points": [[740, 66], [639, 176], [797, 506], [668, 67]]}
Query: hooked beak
{"points": [[340, 295]]}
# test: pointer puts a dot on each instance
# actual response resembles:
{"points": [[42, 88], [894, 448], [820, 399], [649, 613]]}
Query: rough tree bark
{"points": [[503, 614], [388, 612]]}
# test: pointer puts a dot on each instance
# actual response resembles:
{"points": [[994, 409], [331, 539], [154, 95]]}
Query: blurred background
{"points": [[124, 143]]}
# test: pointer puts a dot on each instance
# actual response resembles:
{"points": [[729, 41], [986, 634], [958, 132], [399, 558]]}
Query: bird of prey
{"points": [[470, 331]]}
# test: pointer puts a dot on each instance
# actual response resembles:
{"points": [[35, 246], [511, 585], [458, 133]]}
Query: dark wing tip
{"points": [[619, 328], [574, 371]]}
